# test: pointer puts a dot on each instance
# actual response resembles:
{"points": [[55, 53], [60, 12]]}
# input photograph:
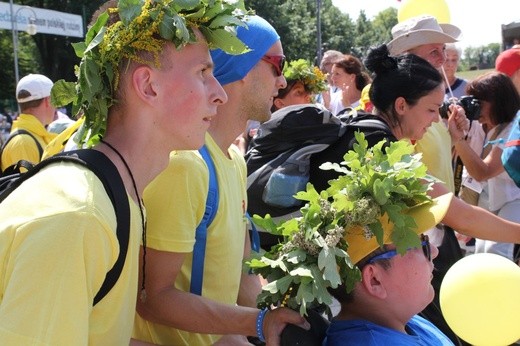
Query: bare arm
{"points": [[480, 169], [477, 222], [164, 304]]}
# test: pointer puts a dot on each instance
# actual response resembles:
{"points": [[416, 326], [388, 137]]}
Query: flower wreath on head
{"points": [[377, 186], [143, 26], [311, 76]]}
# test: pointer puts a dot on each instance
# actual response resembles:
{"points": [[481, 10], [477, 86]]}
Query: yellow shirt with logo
{"points": [[176, 201]]}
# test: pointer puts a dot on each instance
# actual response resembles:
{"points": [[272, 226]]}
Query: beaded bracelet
{"points": [[260, 324]]}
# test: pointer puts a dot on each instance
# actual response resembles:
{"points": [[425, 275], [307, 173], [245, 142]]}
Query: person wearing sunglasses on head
{"points": [[383, 308], [222, 310]]}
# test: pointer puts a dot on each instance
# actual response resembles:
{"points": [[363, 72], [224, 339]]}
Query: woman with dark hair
{"points": [[499, 103], [350, 77], [407, 92]]}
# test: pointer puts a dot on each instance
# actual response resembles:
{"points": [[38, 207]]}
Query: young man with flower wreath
{"points": [[144, 91], [224, 310]]}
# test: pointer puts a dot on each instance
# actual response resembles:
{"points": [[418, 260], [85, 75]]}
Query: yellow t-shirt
{"points": [[57, 242], [176, 201], [436, 149], [23, 147]]}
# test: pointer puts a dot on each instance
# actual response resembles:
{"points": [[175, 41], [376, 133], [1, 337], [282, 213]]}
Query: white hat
{"points": [[418, 31], [37, 85]]}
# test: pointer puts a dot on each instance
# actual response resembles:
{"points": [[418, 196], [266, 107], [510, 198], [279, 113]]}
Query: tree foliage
{"points": [[295, 21], [483, 57], [51, 55]]}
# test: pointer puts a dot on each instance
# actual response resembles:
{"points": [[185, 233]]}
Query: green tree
{"points": [[29, 61], [382, 26], [296, 23], [364, 36], [51, 55], [482, 57]]}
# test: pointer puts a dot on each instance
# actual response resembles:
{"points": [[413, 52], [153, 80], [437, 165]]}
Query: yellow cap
{"points": [[426, 216]]}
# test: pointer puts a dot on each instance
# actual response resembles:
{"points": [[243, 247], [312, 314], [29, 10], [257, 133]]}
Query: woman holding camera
{"points": [[407, 92], [499, 102]]}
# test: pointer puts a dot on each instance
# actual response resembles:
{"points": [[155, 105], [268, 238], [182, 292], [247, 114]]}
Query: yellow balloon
{"points": [[480, 299], [435, 8]]}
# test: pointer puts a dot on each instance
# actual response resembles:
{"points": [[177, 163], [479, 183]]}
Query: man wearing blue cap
{"points": [[224, 310]]}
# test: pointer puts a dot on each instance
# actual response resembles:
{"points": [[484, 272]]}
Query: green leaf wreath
{"points": [[144, 25], [311, 76], [314, 254]]}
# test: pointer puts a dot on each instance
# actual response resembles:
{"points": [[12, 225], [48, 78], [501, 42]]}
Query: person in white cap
{"points": [[28, 135]]}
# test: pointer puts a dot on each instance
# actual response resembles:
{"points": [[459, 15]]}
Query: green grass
{"points": [[470, 75]]}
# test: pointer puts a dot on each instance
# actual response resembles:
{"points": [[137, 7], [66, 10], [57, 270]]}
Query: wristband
{"points": [[260, 324]]}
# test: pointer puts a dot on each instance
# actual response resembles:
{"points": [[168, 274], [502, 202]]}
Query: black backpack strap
{"points": [[107, 172], [24, 132], [370, 123], [16, 167]]}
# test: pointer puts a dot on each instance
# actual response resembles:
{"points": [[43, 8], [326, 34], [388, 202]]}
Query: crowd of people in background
{"points": [[179, 115]]}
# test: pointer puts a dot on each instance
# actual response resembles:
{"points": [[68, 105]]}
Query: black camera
{"points": [[470, 104]]}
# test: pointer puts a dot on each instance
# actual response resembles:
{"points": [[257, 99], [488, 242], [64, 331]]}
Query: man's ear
{"points": [[278, 103], [144, 84], [373, 281]]}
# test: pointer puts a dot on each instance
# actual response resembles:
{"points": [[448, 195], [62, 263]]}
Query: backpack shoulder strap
{"points": [[199, 250], [24, 132], [369, 122], [107, 172]]}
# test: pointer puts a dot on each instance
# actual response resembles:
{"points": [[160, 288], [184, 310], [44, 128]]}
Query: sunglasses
{"points": [[277, 61], [425, 243]]}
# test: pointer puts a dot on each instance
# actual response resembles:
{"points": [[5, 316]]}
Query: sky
{"points": [[480, 21]]}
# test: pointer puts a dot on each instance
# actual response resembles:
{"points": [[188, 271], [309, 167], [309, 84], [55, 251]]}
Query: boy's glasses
{"points": [[277, 61], [425, 242]]}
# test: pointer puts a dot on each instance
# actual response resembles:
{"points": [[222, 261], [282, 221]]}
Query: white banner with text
{"points": [[47, 21]]}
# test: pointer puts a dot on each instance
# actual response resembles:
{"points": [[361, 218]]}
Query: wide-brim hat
{"points": [[426, 216], [418, 31]]}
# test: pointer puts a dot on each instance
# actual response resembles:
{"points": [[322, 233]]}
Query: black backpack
{"points": [[107, 172], [280, 157]]}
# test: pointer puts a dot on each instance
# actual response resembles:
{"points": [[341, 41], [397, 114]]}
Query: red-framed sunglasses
{"points": [[277, 61]]}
